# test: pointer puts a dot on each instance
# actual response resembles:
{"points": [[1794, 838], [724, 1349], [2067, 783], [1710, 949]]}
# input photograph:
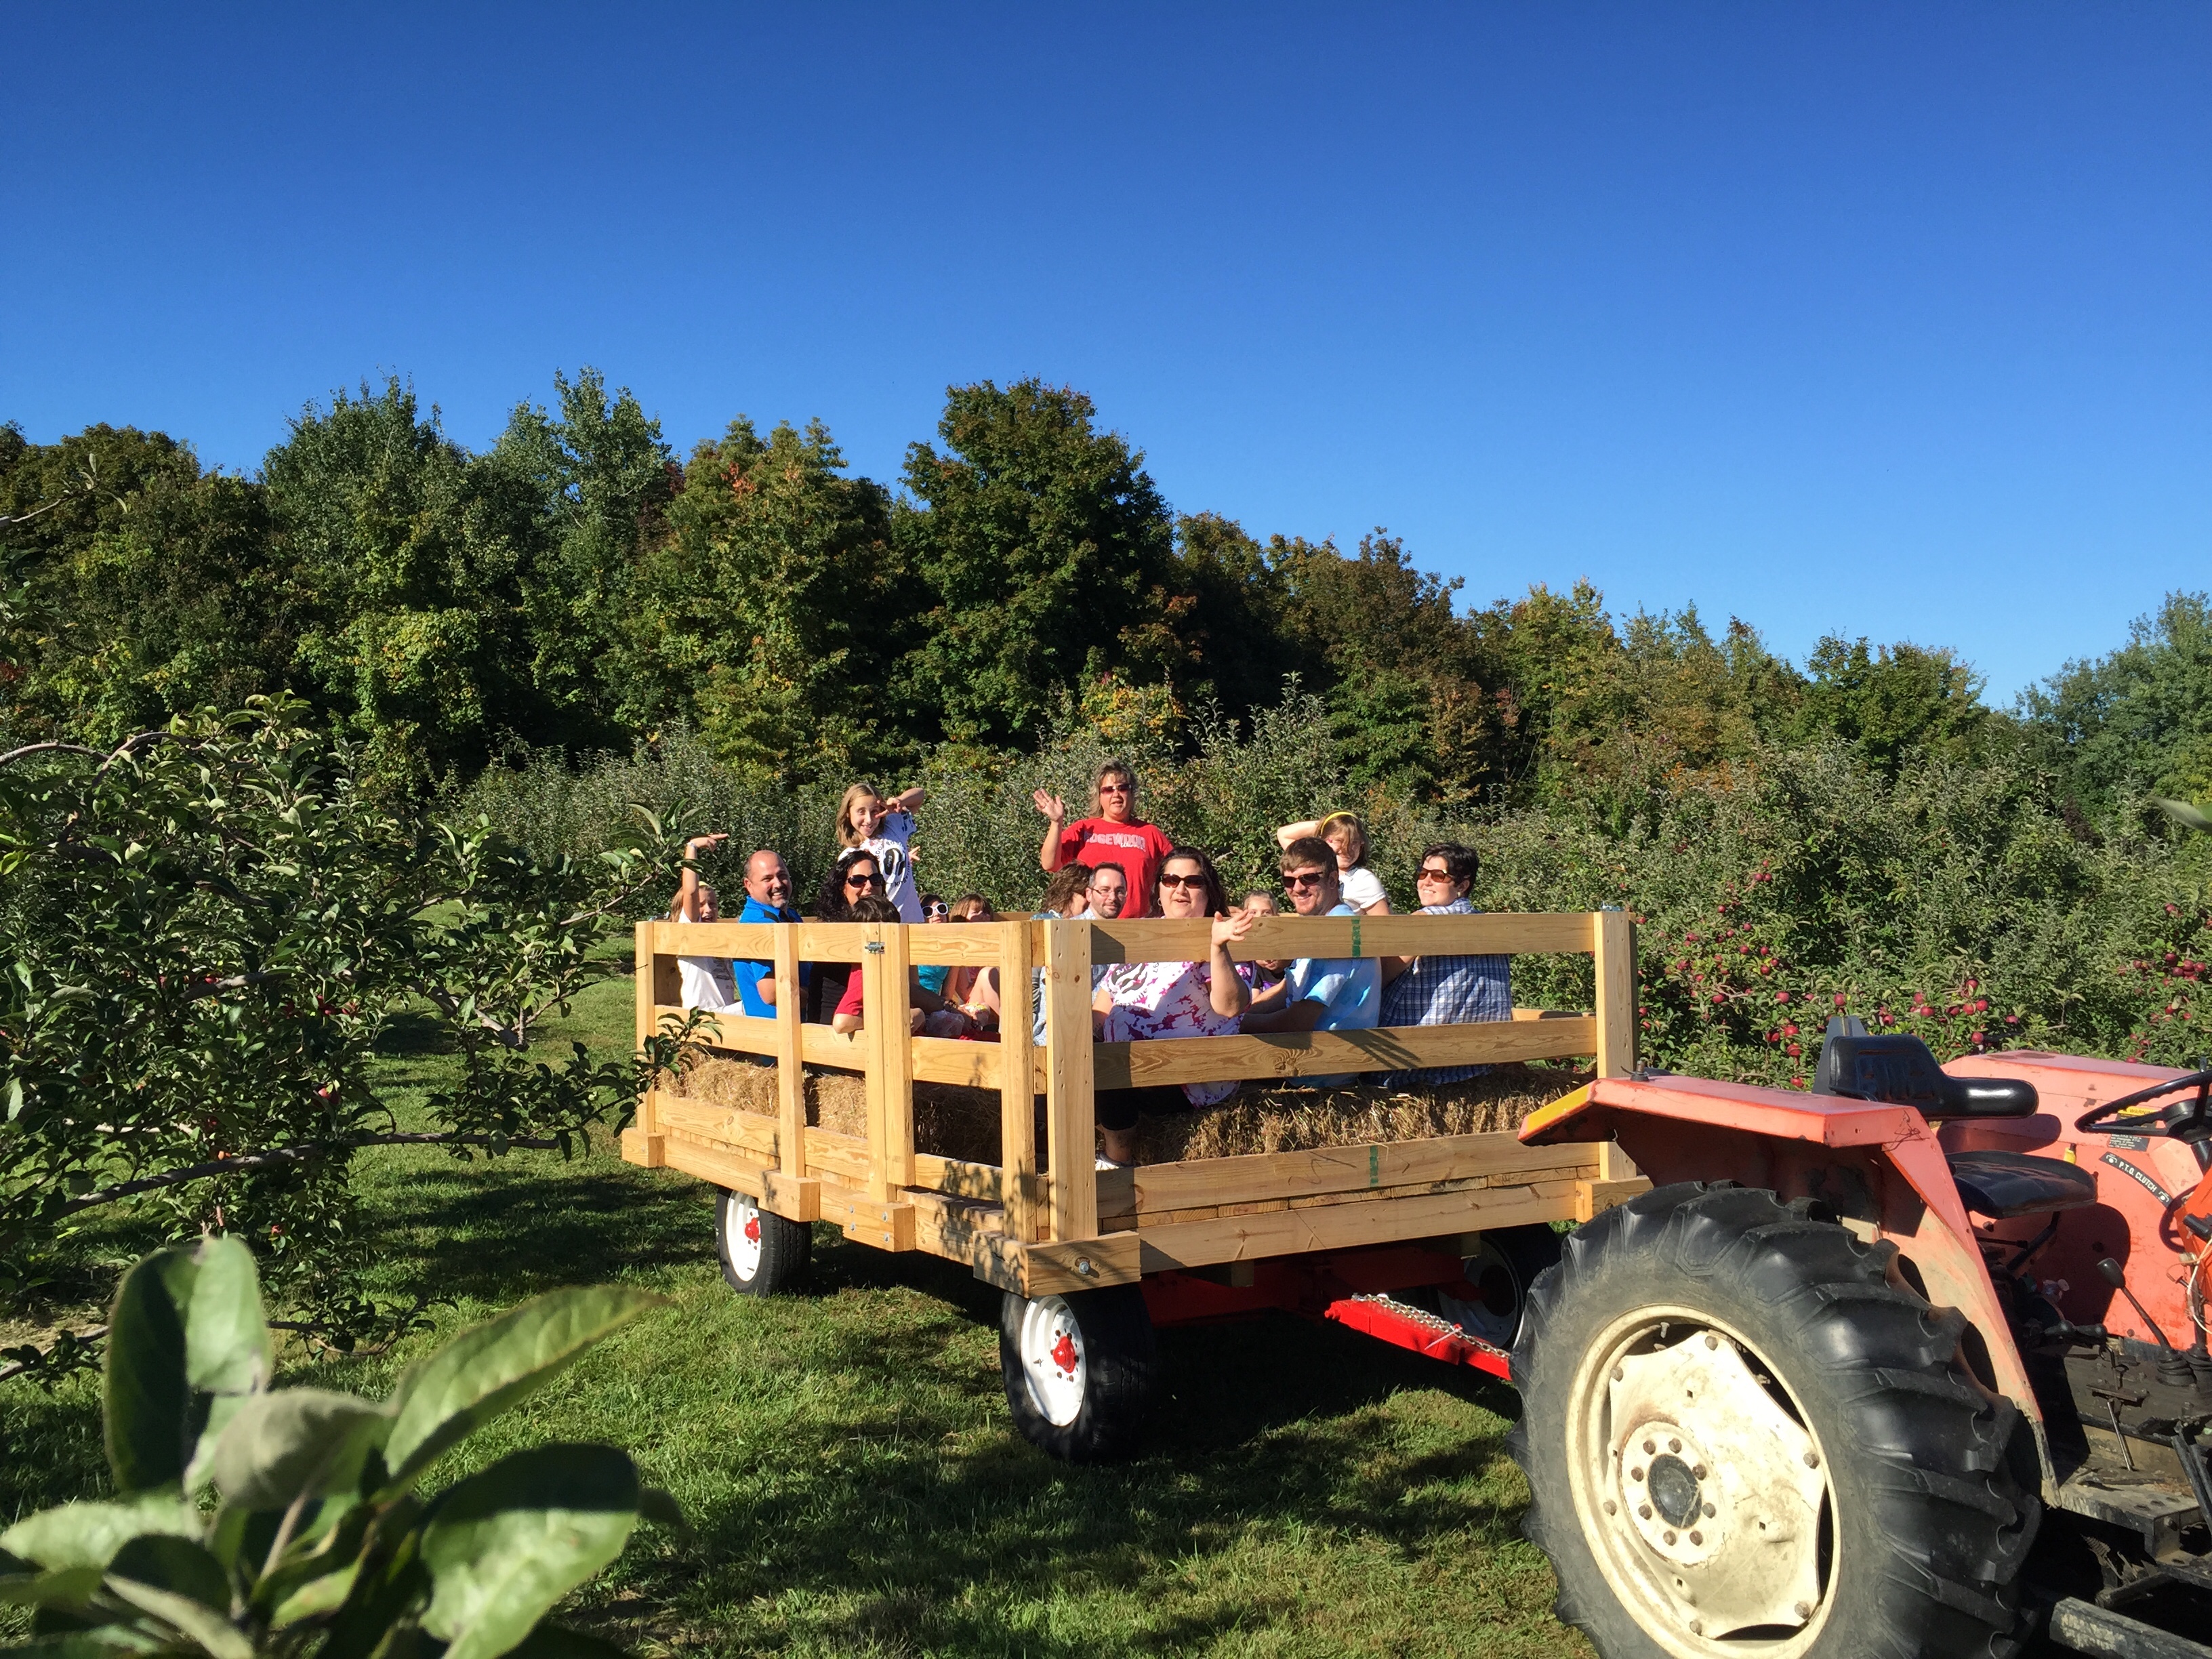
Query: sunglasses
{"points": [[1310, 878], [1183, 881], [937, 910], [1428, 872], [863, 881], [1113, 788]]}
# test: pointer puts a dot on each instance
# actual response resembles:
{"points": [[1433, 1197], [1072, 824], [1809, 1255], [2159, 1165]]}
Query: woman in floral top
{"points": [[1158, 1000]]}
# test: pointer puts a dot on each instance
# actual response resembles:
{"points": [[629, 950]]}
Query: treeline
{"points": [[579, 588]]}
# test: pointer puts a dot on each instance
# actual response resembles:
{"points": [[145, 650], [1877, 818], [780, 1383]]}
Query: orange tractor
{"points": [[1912, 1365]]}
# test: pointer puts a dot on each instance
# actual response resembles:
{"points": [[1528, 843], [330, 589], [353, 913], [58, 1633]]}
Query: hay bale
{"points": [[1293, 1120], [963, 1123]]}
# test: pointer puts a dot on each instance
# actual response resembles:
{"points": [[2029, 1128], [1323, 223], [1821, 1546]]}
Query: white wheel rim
{"points": [[1493, 1313], [1720, 1537], [1053, 1361], [741, 1229]]}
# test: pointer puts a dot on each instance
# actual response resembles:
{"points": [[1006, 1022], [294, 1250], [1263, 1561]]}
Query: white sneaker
{"points": [[1106, 1163]]}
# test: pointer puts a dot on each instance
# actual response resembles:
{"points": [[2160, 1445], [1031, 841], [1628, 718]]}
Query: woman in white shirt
{"points": [[1361, 887], [708, 981]]}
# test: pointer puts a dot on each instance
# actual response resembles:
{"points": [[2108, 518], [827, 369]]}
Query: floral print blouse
{"points": [[1156, 999]]}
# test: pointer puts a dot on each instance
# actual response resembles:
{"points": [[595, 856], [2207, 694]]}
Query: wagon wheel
{"points": [[1079, 1370], [1491, 1293], [1741, 1438], [762, 1253]]}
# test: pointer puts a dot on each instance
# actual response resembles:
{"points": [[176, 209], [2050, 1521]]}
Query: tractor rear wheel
{"points": [[762, 1253], [1743, 1434]]}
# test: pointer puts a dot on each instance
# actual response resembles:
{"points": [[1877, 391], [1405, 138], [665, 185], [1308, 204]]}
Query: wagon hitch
{"points": [[1425, 1332]]}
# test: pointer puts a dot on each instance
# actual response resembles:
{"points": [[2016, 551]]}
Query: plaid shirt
{"points": [[1448, 991]]}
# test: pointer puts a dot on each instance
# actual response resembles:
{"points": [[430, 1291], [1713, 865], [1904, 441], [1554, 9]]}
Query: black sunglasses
{"points": [[1183, 881], [863, 881], [1310, 878]]}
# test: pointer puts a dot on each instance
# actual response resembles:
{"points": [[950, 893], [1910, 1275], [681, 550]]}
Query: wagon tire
{"points": [[1497, 1277], [762, 1253], [1718, 1366], [1079, 1370]]}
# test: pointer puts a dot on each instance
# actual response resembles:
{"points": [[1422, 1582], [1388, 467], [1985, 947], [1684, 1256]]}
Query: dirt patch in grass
{"points": [[963, 1123]]}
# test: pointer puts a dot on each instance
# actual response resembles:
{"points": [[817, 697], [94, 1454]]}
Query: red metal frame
{"points": [[1349, 1286]]}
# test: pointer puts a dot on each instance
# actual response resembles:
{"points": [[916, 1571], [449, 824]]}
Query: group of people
{"points": [[1109, 866]]}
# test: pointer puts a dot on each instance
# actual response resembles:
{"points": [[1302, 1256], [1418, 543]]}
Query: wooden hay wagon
{"points": [[1428, 1242]]}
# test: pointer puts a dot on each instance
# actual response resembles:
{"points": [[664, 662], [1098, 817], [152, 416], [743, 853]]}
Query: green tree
{"points": [[1890, 701], [1046, 556], [417, 564], [2138, 719], [770, 616], [602, 479]]}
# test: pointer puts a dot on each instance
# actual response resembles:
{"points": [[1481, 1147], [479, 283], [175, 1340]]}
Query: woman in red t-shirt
{"points": [[1113, 835]]}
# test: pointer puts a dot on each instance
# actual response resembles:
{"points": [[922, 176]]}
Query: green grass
{"points": [[854, 1485]]}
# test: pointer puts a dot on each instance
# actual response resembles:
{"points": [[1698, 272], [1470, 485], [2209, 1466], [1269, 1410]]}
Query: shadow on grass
{"points": [[930, 1534]]}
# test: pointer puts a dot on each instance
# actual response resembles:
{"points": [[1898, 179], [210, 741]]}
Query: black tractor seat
{"points": [[2004, 1185]]}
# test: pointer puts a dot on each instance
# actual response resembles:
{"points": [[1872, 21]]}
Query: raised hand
{"points": [[1232, 928], [698, 844], [1051, 805]]}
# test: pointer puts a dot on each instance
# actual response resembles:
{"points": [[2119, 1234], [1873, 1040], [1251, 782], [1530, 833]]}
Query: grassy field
{"points": [[854, 1485]]}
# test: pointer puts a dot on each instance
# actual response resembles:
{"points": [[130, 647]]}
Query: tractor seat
{"points": [[2002, 1185]]}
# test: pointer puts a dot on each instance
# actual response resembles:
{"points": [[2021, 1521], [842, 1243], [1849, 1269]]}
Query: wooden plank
{"points": [[1502, 935], [790, 1051], [793, 1197], [970, 1065], [722, 1169], [1012, 1265], [1341, 1169], [874, 1036], [885, 1225], [845, 1157], [1322, 1054], [1018, 1079], [951, 1227], [846, 1051], [819, 941], [958, 945], [896, 1056], [1613, 942], [648, 1152], [1343, 1226], [956, 1178], [647, 1014], [726, 1125], [1071, 1109], [1594, 1198], [742, 1032]]}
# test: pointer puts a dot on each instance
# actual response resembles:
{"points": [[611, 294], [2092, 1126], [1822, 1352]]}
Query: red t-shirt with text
{"points": [[1139, 848]]}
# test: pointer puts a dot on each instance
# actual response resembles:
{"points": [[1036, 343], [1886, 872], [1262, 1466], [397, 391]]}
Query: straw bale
{"points": [[963, 1123]]}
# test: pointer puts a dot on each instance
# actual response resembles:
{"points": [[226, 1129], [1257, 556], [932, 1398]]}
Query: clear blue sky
{"points": [[1876, 320]]}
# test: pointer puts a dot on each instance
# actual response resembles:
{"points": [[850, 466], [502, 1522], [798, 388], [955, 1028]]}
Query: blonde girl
{"points": [[884, 826], [1361, 887]]}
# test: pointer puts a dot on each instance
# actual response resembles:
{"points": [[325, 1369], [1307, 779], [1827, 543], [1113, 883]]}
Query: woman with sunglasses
{"points": [[1114, 834], [1445, 990], [1155, 1000], [855, 876]]}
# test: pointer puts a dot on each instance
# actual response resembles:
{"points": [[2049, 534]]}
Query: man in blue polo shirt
{"points": [[767, 898], [1319, 993]]}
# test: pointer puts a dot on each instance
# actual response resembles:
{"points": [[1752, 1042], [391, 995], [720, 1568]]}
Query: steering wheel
{"points": [[2181, 1121]]}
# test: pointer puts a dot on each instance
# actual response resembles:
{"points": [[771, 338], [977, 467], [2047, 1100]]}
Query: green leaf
{"points": [[88, 1534], [326, 1593], [226, 1339], [69, 1586], [198, 1623], [2188, 816], [148, 1402], [504, 1546], [296, 1441], [488, 1368], [177, 1564]]}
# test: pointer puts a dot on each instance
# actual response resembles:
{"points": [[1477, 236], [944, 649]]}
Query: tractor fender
{"points": [[1878, 1167]]}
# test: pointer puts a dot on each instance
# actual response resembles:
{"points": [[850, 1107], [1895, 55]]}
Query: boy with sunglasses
{"points": [[1319, 993]]}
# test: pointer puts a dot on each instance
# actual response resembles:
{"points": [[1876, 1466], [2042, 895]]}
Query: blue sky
{"points": [[1872, 319]]}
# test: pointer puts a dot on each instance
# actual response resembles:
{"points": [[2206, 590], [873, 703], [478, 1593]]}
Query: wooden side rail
{"points": [[883, 1176]]}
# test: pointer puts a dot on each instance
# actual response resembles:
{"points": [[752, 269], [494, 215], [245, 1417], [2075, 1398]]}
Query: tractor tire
{"points": [[1743, 1433], [762, 1253], [1079, 1370], [1491, 1295]]}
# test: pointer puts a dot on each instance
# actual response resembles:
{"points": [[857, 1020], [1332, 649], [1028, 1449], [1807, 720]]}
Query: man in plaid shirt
{"points": [[1447, 990]]}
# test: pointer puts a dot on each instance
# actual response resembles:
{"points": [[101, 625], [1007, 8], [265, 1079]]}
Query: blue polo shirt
{"points": [[748, 974], [1349, 992]]}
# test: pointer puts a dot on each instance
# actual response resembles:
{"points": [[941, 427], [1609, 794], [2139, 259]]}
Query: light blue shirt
{"points": [[1349, 990]]}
